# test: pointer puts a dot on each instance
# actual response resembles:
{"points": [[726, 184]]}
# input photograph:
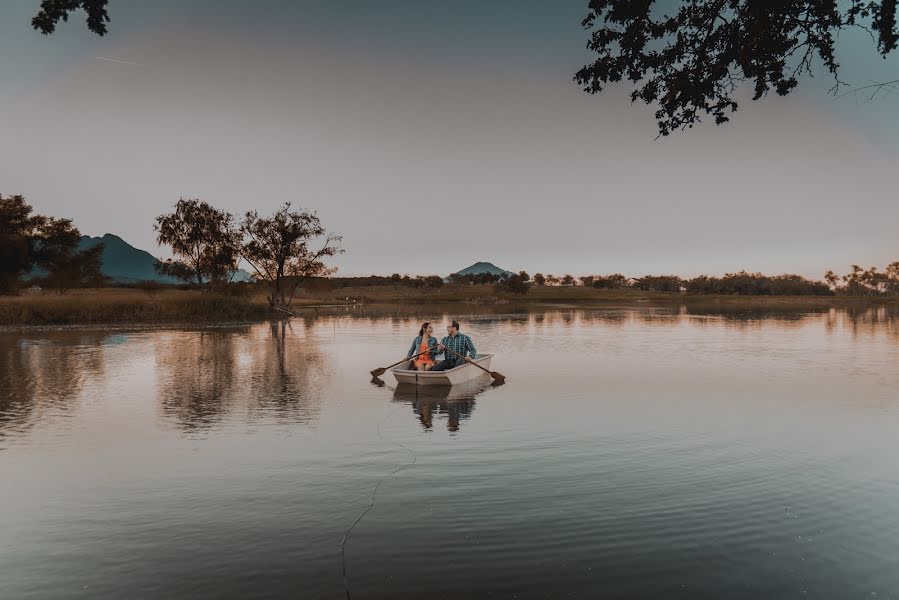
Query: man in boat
{"points": [[459, 343]]}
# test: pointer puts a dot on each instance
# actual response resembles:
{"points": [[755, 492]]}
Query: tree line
{"points": [[859, 282]]}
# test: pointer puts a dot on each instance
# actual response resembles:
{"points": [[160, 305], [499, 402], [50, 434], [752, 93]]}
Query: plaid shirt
{"points": [[460, 344]]}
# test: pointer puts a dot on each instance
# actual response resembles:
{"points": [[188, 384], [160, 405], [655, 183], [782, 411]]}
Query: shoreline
{"points": [[132, 308]]}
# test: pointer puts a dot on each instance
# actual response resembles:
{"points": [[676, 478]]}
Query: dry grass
{"points": [[119, 305], [132, 306]]}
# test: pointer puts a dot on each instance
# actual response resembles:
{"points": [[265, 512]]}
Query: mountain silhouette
{"points": [[123, 263], [483, 267]]}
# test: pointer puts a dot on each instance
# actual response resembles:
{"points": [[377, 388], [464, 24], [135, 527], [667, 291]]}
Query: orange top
{"points": [[424, 359]]}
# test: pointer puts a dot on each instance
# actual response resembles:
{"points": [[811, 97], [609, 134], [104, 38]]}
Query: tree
{"points": [[278, 250], [515, 284], [29, 241], [659, 283], [552, 279], [54, 11], [567, 279], [610, 282], [524, 276], [204, 240], [690, 61], [587, 280], [539, 279], [79, 269], [17, 227]]}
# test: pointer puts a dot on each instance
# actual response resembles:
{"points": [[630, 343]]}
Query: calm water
{"points": [[631, 453]]}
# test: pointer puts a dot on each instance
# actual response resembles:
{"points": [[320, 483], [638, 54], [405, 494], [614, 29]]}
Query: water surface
{"points": [[653, 453]]}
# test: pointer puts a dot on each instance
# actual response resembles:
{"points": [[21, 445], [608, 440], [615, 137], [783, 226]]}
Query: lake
{"points": [[670, 453]]}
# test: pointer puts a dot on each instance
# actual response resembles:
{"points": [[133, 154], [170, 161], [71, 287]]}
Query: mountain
{"points": [[483, 267], [124, 263]]}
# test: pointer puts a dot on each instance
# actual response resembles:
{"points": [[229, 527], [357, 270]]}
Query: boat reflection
{"points": [[454, 403]]}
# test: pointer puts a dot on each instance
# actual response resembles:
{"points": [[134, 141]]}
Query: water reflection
{"points": [[455, 404], [273, 370], [44, 373]]}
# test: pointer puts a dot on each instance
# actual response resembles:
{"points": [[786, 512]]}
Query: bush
{"points": [[756, 284], [659, 283], [610, 282], [516, 284]]}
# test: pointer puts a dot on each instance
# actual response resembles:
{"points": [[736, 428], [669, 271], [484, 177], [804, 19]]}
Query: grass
{"points": [[121, 305], [109, 306]]}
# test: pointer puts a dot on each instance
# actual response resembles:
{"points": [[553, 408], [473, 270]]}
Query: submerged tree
{"points": [[690, 62], [204, 240], [279, 248]]}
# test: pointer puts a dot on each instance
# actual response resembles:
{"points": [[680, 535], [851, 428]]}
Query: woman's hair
{"points": [[424, 328]]}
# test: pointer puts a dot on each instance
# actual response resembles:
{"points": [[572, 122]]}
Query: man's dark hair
{"points": [[455, 324]]}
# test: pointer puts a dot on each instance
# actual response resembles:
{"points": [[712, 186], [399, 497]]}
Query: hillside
{"points": [[124, 263], [483, 267]]}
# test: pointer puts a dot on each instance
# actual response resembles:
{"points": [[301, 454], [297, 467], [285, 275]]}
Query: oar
{"points": [[379, 372], [496, 376]]}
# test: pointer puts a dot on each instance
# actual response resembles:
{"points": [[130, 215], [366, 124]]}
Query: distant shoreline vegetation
{"points": [[859, 282], [208, 243]]}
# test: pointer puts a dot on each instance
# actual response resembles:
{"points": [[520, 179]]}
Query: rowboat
{"points": [[404, 373]]}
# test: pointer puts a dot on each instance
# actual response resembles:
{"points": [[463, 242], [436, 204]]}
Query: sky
{"points": [[432, 135]]}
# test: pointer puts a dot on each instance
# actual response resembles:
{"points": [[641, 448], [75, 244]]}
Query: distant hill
{"points": [[483, 267], [124, 263]]}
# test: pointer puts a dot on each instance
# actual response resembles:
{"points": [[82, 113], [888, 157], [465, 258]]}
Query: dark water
{"points": [[631, 454]]}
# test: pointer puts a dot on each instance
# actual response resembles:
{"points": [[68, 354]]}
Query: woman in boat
{"points": [[426, 343]]}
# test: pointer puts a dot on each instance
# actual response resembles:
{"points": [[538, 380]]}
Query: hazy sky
{"points": [[432, 135]]}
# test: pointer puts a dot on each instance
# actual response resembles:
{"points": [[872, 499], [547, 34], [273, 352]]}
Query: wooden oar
{"points": [[379, 372], [496, 376]]}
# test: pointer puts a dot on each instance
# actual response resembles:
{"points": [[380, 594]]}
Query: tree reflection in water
{"points": [[271, 371], [44, 373]]}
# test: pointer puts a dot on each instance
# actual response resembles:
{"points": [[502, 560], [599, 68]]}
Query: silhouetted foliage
{"points": [[610, 282], [524, 276], [278, 249], [203, 239], [539, 279], [567, 280], [54, 11], [756, 284], [76, 270], [689, 61], [870, 282], [515, 284], [476, 278], [658, 283], [29, 241]]}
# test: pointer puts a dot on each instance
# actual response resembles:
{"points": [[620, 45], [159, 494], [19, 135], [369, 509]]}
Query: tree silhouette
{"points": [[28, 240], [203, 238], [689, 63], [54, 11], [277, 248]]}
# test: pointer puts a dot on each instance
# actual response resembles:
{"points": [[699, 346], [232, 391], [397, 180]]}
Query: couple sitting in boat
{"points": [[457, 347]]}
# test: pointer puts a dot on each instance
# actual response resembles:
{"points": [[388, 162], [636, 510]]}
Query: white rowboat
{"points": [[405, 374]]}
